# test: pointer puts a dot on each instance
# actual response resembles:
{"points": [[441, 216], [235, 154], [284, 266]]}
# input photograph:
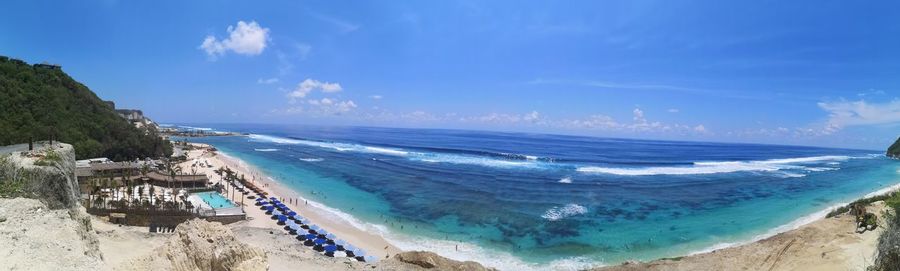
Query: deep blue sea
{"points": [[535, 201]]}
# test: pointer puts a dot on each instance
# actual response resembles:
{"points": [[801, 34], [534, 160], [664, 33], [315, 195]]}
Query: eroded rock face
{"points": [[35, 237], [432, 261], [54, 183], [201, 245]]}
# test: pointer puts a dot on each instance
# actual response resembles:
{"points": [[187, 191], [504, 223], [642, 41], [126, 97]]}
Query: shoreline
{"points": [[332, 218], [373, 243], [396, 242], [790, 226]]}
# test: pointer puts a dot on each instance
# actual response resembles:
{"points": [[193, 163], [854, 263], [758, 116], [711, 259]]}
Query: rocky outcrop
{"points": [[200, 245], [429, 261], [35, 237], [47, 174], [51, 181]]}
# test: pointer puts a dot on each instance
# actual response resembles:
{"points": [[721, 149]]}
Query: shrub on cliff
{"points": [[39, 103]]}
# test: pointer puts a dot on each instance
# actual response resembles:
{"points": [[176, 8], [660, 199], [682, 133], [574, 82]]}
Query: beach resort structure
{"points": [[146, 192]]}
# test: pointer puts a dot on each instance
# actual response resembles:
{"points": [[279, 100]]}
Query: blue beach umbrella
{"points": [[330, 236], [340, 242], [319, 241], [349, 248], [273, 198], [359, 252], [298, 218], [314, 227], [291, 213], [260, 199], [330, 248], [322, 232]]}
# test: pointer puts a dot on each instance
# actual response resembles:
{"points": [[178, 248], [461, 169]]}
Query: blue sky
{"points": [[805, 72]]}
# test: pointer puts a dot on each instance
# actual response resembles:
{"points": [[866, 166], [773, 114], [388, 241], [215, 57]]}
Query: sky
{"points": [[820, 73]]}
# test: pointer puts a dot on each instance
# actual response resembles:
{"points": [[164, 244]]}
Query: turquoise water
{"points": [[215, 200], [525, 201]]}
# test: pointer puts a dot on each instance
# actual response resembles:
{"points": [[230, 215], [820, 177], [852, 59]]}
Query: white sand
{"points": [[373, 243]]}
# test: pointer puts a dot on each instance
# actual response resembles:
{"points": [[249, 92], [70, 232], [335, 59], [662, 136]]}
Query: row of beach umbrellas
{"points": [[310, 234]]}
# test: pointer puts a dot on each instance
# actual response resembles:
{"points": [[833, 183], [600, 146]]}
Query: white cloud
{"points": [[246, 39], [534, 116], [673, 110], [310, 85], [376, 97], [267, 81], [847, 113], [639, 124], [332, 107]]}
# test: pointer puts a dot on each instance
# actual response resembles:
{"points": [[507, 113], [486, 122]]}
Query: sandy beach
{"points": [[827, 244], [373, 243]]}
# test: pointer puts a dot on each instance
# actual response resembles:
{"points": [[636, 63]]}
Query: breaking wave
{"points": [[513, 161], [557, 213], [723, 167]]}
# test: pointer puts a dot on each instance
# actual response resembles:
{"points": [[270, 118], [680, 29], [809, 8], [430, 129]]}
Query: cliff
{"points": [[45, 227], [40, 102], [894, 149]]}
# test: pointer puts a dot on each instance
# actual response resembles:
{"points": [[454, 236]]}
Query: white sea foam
{"points": [[557, 213], [265, 150], [196, 128], [715, 167], [566, 180], [793, 175], [311, 159], [411, 155]]}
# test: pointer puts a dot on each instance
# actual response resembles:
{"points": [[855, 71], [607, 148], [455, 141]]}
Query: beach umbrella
{"points": [[291, 213], [314, 227], [359, 252], [298, 218], [273, 198], [340, 242], [319, 241], [260, 199], [349, 247], [330, 236], [330, 248], [322, 232], [282, 219], [269, 209]]}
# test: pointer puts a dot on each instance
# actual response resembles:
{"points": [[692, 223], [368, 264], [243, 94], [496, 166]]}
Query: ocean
{"points": [[520, 201]]}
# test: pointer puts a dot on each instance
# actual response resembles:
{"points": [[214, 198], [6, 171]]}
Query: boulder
{"points": [[199, 245], [431, 261]]}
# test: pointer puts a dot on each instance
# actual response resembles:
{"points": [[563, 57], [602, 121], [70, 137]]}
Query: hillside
{"points": [[894, 149], [37, 102]]}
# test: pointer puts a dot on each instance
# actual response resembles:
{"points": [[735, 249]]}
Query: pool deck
{"points": [[197, 201]]}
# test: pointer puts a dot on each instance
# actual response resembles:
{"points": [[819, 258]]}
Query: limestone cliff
{"points": [[46, 175]]}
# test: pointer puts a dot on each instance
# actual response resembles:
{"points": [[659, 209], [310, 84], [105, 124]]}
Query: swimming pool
{"points": [[215, 200]]}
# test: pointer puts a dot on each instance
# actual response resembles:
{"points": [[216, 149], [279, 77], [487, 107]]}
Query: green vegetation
{"points": [[12, 183], [888, 250], [891, 199], [49, 156], [894, 149], [38, 103]]}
